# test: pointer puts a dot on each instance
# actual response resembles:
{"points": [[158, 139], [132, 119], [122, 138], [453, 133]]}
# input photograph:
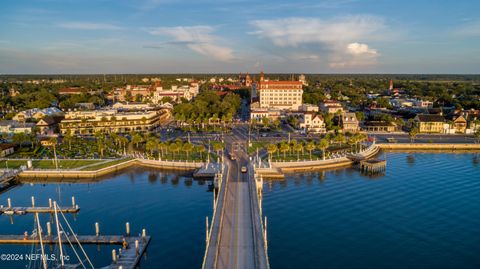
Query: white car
{"points": [[244, 169]]}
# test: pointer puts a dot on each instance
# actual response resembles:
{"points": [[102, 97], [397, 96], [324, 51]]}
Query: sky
{"points": [[231, 36]]}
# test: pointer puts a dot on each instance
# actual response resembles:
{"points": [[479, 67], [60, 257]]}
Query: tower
{"points": [[262, 76], [391, 85]]}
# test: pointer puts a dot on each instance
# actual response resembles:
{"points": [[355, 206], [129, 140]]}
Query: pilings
{"points": [[373, 166]]}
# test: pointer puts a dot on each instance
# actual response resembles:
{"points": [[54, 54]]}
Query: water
{"points": [[170, 206], [423, 213]]}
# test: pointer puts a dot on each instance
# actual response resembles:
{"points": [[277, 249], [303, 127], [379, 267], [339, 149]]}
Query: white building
{"points": [[282, 95], [312, 123], [331, 106]]}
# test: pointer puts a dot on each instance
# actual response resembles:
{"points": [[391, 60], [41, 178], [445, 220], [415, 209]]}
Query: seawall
{"points": [[323, 164], [429, 146], [78, 174]]}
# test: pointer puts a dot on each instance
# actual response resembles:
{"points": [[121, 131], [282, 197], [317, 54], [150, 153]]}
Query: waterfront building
{"points": [[282, 95], [429, 123], [349, 122], [111, 121], [331, 106], [312, 122]]}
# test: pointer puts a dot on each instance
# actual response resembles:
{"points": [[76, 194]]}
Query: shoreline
{"points": [[279, 167], [430, 146]]}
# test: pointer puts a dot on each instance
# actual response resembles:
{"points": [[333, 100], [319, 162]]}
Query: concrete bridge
{"points": [[237, 234]]}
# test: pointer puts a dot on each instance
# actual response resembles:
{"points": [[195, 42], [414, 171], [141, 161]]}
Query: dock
{"points": [[21, 210], [209, 170]]}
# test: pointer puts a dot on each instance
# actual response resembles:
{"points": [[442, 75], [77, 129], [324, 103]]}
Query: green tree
{"points": [[298, 148], [187, 148], [271, 149], [413, 134], [310, 147], [284, 148], [323, 144]]}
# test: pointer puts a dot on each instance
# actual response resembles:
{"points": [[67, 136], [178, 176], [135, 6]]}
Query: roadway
{"points": [[240, 235]]}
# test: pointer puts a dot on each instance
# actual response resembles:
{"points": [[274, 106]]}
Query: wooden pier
{"points": [[373, 166], [21, 210]]}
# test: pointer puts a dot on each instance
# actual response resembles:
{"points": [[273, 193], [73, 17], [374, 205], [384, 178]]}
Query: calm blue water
{"points": [[423, 213], [171, 207]]}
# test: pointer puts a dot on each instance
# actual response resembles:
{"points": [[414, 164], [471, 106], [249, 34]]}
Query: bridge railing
{"points": [[214, 227]]}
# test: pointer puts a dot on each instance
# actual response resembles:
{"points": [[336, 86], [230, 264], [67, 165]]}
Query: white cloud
{"points": [[198, 38], [88, 26], [358, 49], [337, 38]]}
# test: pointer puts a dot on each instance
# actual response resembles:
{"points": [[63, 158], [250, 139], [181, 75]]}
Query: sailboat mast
{"points": [[58, 234], [44, 259]]}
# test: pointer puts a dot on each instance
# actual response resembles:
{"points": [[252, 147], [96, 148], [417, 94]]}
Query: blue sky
{"points": [[203, 36]]}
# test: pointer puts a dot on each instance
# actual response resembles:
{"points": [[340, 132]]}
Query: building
{"points": [[259, 113], [6, 149], [428, 123], [14, 127], [331, 106], [349, 122], [48, 125], [312, 122], [125, 106], [37, 113], [75, 91], [309, 108], [133, 93], [380, 126], [303, 80], [282, 95], [423, 104], [460, 125], [175, 93], [111, 121]]}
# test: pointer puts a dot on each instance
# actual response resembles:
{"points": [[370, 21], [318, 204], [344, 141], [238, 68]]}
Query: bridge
{"points": [[237, 235]]}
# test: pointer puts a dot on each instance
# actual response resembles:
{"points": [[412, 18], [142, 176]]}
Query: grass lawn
{"points": [[257, 145], [49, 164], [103, 165]]}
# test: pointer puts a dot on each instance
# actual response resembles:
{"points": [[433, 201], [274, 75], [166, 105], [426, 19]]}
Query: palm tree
{"points": [[477, 135], [323, 145], [298, 148], [271, 149], [310, 147], [218, 146], [200, 149], [151, 145], [413, 134], [137, 139], [284, 148], [187, 148], [174, 147]]}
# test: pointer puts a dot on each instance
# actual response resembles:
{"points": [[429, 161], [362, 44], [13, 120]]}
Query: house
{"points": [[308, 108], [349, 122], [380, 126], [6, 149], [312, 122], [259, 113], [459, 125], [331, 106], [48, 125], [429, 123]]}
